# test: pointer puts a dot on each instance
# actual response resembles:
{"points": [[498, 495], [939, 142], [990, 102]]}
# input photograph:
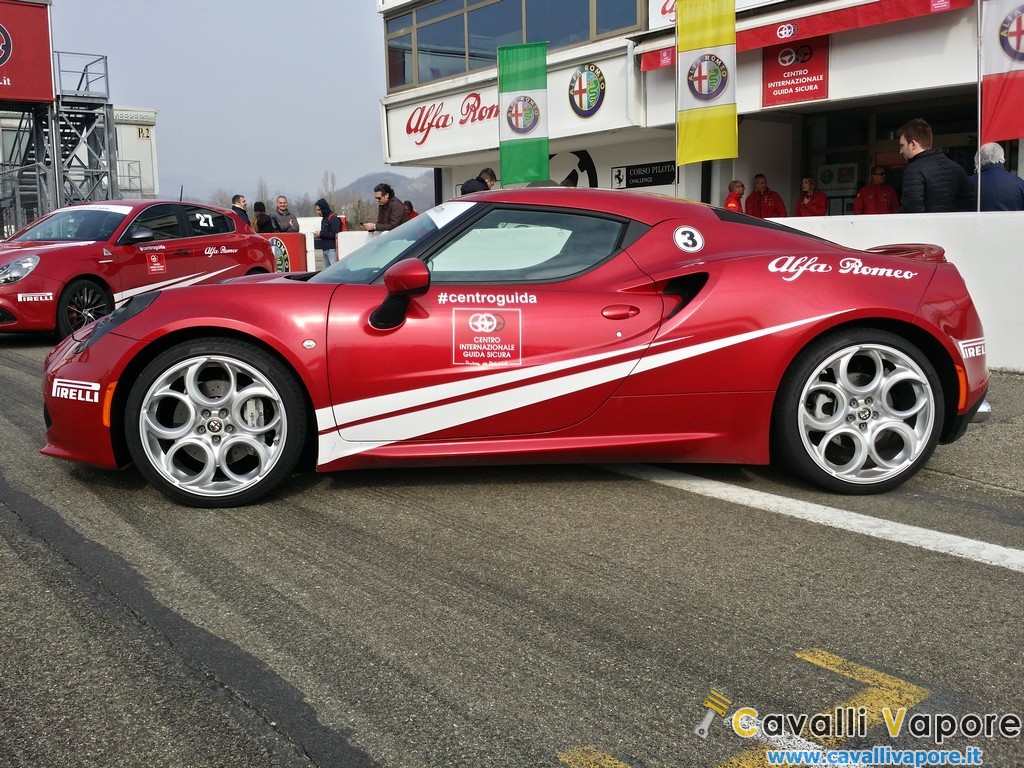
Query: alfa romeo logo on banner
{"points": [[1011, 34], [523, 114], [707, 77], [586, 90]]}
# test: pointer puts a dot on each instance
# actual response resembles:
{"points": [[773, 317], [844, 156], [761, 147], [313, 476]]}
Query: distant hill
{"points": [[419, 189]]}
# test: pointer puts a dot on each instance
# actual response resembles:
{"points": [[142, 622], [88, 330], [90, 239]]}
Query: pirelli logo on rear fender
{"points": [[972, 347], [69, 389]]}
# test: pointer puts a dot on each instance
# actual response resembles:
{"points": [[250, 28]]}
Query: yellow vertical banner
{"points": [[706, 127]]}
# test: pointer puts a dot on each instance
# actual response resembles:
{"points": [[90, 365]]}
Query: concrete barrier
{"points": [[987, 248]]}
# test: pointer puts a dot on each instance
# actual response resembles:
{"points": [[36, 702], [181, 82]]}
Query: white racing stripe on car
{"points": [[372, 407], [423, 422], [173, 283], [388, 429], [923, 538]]}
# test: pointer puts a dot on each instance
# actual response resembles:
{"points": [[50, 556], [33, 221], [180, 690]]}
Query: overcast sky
{"points": [[278, 89]]}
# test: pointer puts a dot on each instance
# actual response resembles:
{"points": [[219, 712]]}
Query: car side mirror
{"points": [[141, 235], [404, 280]]}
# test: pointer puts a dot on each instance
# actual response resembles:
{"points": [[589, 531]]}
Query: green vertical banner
{"points": [[523, 123]]}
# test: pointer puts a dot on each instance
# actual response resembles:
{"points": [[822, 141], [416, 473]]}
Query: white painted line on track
{"points": [[924, 538]]}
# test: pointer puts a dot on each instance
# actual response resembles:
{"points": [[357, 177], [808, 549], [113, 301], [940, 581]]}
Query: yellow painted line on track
{"points": [[882, 691], [589, 757]]}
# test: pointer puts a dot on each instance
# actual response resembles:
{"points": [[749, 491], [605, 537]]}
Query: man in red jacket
{"points": [[763, 202], [876, 196], [732, 201]]}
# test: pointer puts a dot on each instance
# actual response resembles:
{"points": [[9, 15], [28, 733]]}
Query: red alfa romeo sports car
{"points": [[535, 325], [76, 264]]}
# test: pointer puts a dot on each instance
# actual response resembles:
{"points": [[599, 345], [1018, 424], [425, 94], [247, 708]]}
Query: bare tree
{"points": [[220, 197], [328, 186], [302, 205], [263, 192], [357, 209]]}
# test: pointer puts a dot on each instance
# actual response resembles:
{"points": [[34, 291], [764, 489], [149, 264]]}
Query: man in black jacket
{"points": [[484, 181], [238, 204], [931, 181], [326, 238]]}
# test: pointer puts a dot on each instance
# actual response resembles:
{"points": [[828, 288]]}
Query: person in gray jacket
{"points": [[931, 181], [286, 220]]}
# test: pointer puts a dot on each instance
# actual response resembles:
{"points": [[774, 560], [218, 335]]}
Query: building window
{"points": [[446, 38], [561, 24], [490, 26], [441, 49]]}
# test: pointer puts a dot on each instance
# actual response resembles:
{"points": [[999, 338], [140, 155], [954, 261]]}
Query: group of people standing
{"points": [[932, 182], [390, 213], [279, 220]]}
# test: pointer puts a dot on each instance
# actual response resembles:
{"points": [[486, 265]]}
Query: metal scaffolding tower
{"points": [[60, 153]]}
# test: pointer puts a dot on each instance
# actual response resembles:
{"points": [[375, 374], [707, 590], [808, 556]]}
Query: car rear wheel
{"points": [[858, 412], [215, 422], [81, 302]]}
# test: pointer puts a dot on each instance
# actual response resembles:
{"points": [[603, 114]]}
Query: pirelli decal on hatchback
{"points": [[69, 389], [795, 266], [972, 347], [35, 296]]}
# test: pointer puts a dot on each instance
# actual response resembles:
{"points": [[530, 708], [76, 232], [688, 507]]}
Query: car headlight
{"points": [[18, 269]]}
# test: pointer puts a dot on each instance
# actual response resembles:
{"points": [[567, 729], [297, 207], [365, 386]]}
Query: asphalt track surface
{"points": [[555, 616]]}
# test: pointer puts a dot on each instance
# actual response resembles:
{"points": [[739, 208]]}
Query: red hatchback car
{"points": [[76, 264], [535, 325]]}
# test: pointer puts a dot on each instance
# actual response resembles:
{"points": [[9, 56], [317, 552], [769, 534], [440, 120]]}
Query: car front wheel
{"points": [[215, 422], [858, 412], [81, 302]]}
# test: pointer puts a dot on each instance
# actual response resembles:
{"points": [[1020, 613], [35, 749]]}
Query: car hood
{"points": [[12, 251]]}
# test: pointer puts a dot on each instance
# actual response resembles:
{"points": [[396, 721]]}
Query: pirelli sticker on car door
{"points": [[487, 337]]}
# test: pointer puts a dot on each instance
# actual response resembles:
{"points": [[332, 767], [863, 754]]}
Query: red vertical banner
{"points": [[795, 72], [26, 53], [1002, 82]]}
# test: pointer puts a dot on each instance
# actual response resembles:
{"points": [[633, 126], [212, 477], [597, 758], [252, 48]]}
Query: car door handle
{"points": [[620, 311], [185, 252]]}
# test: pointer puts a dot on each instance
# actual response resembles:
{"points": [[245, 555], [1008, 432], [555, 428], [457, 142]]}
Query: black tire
{"points": [[81, 302], [858, 412], [215, 422]]}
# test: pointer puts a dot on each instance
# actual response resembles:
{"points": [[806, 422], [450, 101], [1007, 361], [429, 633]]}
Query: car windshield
{"points": [[94, 222], [366, 263]]}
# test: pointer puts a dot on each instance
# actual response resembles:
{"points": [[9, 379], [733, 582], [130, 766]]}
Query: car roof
{"points": [[642, 206], [137, 204]]}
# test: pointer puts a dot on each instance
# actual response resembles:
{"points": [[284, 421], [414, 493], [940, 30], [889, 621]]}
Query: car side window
{"points": [[204, 221], [162, 220], [516, 245]]}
